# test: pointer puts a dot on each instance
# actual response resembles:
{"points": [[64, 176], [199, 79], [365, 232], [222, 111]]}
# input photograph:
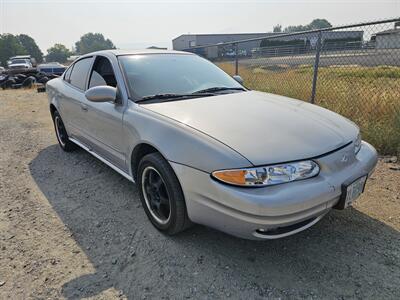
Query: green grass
{"points": [[369, 96]]}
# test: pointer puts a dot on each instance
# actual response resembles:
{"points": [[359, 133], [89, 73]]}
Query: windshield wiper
{"points": [[219, 88], [171, 96]]}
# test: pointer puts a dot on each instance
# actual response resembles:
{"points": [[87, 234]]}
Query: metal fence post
{"points": [[316, 65], [236, 58]]}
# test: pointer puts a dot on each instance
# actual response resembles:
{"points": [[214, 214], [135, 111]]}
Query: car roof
{"points": [[20, 57], [133, 52], [50, 64]]}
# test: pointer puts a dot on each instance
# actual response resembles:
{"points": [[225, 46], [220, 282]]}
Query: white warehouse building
{"points": [[388, 39]]}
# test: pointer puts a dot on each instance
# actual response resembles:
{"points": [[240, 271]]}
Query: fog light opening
{"points": [[286, 229]]}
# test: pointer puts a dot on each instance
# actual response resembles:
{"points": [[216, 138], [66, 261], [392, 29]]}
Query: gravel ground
{"points": [[70, 227]]}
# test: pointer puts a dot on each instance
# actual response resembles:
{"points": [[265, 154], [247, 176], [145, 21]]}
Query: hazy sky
{"points": [[138, 24]]}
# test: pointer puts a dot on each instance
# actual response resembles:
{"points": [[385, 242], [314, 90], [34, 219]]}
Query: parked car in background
{"points": [[204, 149], [19, 64], [31, 59], [51, 68]]}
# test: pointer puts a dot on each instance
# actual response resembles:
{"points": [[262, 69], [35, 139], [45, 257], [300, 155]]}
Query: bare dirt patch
{"points": [[71, 227]]}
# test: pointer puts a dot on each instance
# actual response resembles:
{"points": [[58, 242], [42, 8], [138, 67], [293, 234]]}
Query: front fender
{"points": [[177, 142]]}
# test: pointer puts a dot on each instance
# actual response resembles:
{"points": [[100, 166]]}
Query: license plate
{"points": [[354, 190]]}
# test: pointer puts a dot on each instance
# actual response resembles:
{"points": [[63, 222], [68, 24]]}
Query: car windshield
{"points": [[19, 61], [160, 74]]}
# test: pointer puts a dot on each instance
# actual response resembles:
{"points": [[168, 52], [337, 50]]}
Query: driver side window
{"points": [[102, 73]]}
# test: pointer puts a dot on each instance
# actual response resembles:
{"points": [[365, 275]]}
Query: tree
{"points": [[58, 53], [10, 46], [30, 46], [93, 42], [296, 28], [319, 24], [315, 24], [277, 28]]}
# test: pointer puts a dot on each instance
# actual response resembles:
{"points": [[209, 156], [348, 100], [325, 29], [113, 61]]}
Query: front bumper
{"points": [[274, 211]]}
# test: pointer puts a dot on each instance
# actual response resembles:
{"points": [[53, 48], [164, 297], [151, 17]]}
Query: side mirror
{"points": [[238, 79], [101, 94]]}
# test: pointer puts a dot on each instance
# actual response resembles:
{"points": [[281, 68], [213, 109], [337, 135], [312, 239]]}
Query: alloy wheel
{"points": [[60, 131], [156, 195]]}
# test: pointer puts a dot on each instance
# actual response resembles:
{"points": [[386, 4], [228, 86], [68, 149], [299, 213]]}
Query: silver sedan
{"points": [[204, 149]]}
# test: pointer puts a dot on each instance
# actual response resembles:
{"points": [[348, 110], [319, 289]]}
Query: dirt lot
{"points": [[71, 227]]}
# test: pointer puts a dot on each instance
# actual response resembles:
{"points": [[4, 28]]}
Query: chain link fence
{"points": [[353, 70]]}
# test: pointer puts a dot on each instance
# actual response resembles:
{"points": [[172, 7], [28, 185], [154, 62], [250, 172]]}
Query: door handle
{"points": [[84, 107]]}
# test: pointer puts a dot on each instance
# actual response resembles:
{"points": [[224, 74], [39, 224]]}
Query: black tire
{"points": [[43, 79], [20, 77], [3, 79], [29, 82], [9, 83], [61, 133], [177, 220]]}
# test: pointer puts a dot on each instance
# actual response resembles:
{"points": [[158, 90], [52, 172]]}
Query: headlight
{"points": [[357, 143], [269, 175]]}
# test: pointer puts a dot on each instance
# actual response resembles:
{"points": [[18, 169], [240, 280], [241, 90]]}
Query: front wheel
{"points": [[161, 195], [61, 133]]}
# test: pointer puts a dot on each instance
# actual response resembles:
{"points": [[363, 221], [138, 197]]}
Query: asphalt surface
{"points": [[366, 58]]}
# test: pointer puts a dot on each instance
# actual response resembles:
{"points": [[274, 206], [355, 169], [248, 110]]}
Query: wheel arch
{"points": [[52, 109], [138, 152]]}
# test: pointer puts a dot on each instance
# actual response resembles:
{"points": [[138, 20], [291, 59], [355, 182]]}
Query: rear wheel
{"points": [[161, 195], [61, 133]]}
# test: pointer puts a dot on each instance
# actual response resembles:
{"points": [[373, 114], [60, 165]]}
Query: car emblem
{"points": [[344, 158]]}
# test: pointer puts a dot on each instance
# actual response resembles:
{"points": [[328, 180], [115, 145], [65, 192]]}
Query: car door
{"points": [[73, 105], [104, 119]]}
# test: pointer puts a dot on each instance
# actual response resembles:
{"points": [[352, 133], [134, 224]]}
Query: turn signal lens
{"points": [[268, 175], [234, 176]]}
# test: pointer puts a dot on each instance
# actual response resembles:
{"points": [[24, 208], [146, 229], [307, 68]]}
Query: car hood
{"points": [[262, 127]]}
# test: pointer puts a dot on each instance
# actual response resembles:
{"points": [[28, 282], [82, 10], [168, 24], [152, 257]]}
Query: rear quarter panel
{"points": [[60, 95]]}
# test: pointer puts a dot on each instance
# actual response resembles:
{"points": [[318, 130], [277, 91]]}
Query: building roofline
{"points": [[219, 34], [256, 33], [388, 32]]}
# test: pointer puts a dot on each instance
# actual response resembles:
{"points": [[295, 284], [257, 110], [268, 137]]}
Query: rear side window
{"points": [[79, 73], [68, 74]]}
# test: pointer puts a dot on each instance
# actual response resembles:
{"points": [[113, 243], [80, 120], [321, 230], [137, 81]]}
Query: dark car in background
{"points": [[51, 68]]}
